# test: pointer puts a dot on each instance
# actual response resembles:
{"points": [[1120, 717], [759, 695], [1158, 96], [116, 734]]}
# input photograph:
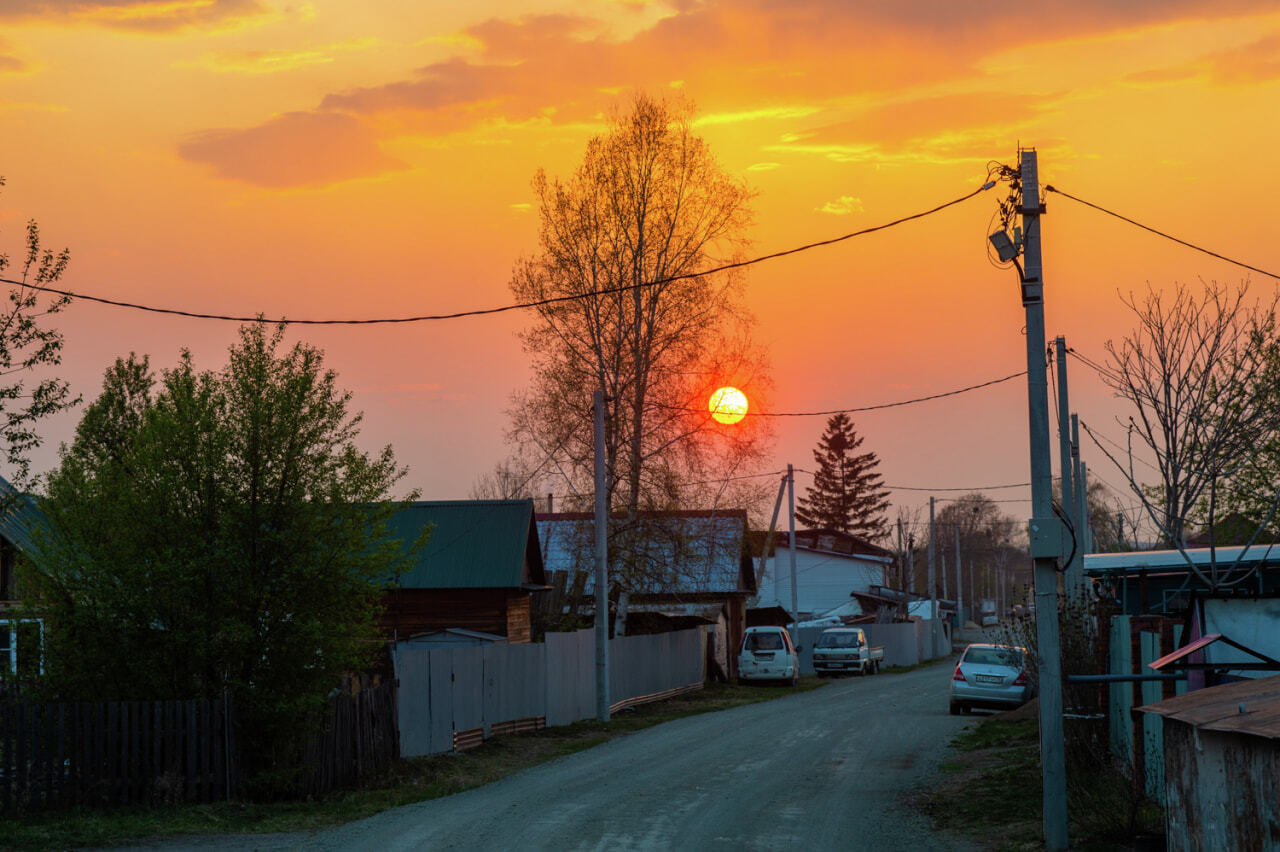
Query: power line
{"points": [[867, 407], [505, 308], [977, 488], [1161, 233]]}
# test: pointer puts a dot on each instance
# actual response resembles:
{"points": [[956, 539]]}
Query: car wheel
{"points": [[795, 679], [955, 709]]}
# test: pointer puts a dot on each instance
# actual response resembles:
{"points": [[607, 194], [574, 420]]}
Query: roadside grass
{"points": [[990, 790], [408, 781]]}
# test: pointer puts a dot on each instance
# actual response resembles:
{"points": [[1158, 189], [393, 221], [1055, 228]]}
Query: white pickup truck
{"points": [[842, 650]]}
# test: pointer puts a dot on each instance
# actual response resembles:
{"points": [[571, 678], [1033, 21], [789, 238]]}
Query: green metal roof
{"points": [[474, 544], [18, 516]]}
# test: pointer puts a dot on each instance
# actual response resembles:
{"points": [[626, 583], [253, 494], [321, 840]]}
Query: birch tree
{"points": [[626, 309]]}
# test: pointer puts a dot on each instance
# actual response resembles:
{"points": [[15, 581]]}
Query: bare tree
{"points": [[625, 309], [1198, 370]]}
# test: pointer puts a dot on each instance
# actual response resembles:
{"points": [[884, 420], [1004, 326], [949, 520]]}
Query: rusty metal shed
{"points": [[1222, 766]]}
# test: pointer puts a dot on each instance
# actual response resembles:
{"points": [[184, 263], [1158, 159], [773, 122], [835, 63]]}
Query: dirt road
{"points": [[823, 770]]}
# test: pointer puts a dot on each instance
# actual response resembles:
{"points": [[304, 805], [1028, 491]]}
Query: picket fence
{"points": [[453, 698]]}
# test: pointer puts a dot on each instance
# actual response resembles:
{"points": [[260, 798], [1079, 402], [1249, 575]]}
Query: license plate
{"points": [[988, 679]]}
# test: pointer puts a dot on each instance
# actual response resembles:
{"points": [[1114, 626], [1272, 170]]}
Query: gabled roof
{"points": [[474, 544], [685, 552], [20, 518], [822, 540]]}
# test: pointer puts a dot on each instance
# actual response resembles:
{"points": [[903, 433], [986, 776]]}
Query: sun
{"points": [[728, 405]]}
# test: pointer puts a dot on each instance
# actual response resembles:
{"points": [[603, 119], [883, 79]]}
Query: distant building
{"points": [[830, 566]]}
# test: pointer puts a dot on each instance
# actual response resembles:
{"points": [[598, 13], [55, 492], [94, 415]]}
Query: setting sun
{"points": [[728, 405]]}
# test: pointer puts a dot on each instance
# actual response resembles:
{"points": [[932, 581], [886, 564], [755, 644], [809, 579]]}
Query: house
{"points": [[1162, 581], [684, 563], [20, 638], [478, 571], [1220, 774], [830, 565]]}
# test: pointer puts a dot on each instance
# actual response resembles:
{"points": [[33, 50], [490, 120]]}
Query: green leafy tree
{"points": [[217, 532], [27, 348], [847, 493]]}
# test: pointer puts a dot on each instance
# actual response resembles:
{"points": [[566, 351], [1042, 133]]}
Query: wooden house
{"points": [[683, 564], [20, 638], [478, 571]]}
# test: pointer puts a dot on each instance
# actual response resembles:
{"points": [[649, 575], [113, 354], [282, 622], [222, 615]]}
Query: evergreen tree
{"points": [[847, 494]]}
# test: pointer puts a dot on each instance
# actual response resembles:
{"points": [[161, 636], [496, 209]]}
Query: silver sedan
{"points": [[992, 676]]}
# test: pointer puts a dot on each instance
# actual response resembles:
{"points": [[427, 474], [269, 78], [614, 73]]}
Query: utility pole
{"points": [[791, 547], [768, 541], [1045, 531], [933, 587], [959, 586], [902, 560], [1087, 546], [1068, 453], [602, 563], [1075, 574]]}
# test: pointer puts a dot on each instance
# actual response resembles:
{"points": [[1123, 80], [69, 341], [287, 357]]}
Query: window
{"points": [[22, 647]]}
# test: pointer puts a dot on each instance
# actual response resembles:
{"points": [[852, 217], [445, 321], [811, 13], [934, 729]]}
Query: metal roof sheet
{"points": [[680, 552], [1096, 564], [21, 517], [1219, 708], [474, 544]]}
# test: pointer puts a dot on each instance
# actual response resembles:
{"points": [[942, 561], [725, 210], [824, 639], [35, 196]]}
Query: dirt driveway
{"points": [[828, 769]]}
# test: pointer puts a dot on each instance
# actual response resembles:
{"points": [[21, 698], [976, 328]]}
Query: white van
{"points": [[767, 653]]}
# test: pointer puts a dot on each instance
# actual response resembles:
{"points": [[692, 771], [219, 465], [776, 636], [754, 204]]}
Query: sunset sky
{"points": [[362, 159]]}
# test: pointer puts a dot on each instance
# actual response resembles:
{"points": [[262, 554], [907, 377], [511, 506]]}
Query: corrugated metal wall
{"points": [[444, 691], [905, 644]]}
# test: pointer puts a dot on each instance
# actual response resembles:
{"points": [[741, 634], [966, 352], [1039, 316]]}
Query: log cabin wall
{"points": [[504, 612]]}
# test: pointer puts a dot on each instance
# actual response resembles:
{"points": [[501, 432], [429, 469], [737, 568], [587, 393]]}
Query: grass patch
{"points": [[409, 781], [990, 789]]}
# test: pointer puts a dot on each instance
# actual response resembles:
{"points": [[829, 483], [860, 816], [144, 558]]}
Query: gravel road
{"points": [[823, 770]]}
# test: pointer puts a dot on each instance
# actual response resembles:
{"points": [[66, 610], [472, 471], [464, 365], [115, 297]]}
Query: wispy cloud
{"points": [[293, 149], [147, 15], [842, 206], [272, 61]]}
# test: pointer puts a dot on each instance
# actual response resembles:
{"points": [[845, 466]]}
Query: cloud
{"points": [[1252, 63], [799, 56], [522, 207], [842, 206], [272, 61], [293, 149], [147, 15], [763, 167]]}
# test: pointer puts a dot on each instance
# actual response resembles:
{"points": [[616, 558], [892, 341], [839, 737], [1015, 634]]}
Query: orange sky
{"points": [[352, 159]]}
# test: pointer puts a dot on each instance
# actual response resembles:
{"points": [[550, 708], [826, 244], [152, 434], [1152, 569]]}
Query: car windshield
{"points": [[838, 640], [1010, 657], [764, 642]]}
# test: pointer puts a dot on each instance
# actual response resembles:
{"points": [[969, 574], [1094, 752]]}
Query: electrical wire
{"points": [[883, 405], [537, 303], [1162, 233]]}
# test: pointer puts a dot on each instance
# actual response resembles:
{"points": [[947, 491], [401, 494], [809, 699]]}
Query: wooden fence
{"points": [[359, 735], [112, 753]]}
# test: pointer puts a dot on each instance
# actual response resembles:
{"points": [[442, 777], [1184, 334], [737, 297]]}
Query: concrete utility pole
{"points": [[1045, 531], [602, 564], [791, 527], [1086, 546], [1075, 574], [933, 587], [1067, 454]]}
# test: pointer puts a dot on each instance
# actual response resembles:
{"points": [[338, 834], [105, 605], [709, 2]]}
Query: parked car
{"points": [[991, 676], [767, 653], [844, 650]]}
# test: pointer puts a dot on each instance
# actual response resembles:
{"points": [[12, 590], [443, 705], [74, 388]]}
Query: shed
{"points": [[477, 572], [1222, 766]]}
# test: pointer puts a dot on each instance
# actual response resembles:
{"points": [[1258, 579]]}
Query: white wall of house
{"points": [[823, 579]]}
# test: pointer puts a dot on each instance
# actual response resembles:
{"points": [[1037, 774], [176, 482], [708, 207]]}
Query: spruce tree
{"points": [[847, 494]]}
